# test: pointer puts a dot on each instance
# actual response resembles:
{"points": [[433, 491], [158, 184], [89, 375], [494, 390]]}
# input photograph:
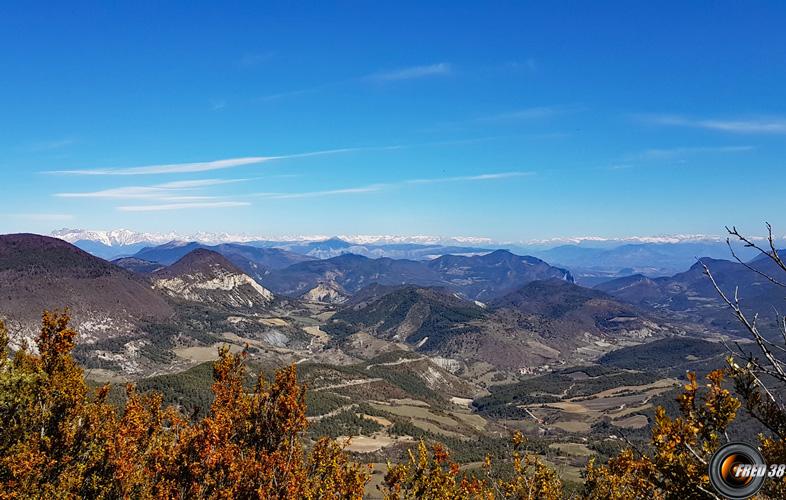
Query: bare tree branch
{"points": [[772, 253], [751, 268], [751, 327]]}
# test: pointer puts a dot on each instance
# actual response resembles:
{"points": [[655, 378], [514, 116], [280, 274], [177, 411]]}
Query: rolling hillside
{"points": [[482, 277], [207, 277], [38, 273]]}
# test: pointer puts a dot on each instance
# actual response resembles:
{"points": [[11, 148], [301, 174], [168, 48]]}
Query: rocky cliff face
{"points": [[328, 292], [207, 277]]}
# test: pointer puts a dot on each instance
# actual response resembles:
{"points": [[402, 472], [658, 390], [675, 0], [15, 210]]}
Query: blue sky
{"points": [[508, 120]]}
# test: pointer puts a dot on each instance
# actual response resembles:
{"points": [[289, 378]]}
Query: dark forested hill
{"points": [[478, 278], [38, 272], [690, 295]]}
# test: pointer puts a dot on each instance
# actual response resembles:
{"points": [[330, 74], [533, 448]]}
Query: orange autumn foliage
{"points": [[62, 440], [681, 449], [432, 475]]}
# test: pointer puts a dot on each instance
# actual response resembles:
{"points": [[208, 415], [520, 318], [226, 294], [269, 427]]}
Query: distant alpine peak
{"points": [[361, 239], [674, 238], [121, 237], [113, 238]]}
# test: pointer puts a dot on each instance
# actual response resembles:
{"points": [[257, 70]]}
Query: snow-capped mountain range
{"points": [[125, 237], [588, 257], [113, 238]]}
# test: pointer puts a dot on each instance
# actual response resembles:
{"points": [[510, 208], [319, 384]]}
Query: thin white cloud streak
{"points": [[189, 198], [118, 193], [661, 154], [197, 183], [619, 166], [772, 125], [182, 206], [529, 64], [51, 145], [180, 168], [373, 188], [411, 73], [318, 194], [158, 191], [173, 168], [251, 60], [292, 93], [470, 178], [534, 113]]}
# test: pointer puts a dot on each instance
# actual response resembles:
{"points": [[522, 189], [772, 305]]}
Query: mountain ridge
{"points": [[476, 277], [689, 295], [39, 272], [207, 277]]}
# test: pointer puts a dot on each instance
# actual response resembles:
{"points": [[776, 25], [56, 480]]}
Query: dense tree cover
{"points": [[466, 451], [188, 390], [504, 400], [376, 368], [681, 447], [441, 316], [433, 475], [675, 466], [60, 438], [322, 402], [345, 423], [671, 355]]}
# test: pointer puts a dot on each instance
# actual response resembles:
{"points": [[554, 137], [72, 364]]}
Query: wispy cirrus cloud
{"points": [[168, 168], [671, 156], [182, 206], [529, 64], [533, 113], [289, 93], [254, 59], [510, 117], [669, 153], [762, 125], [318, 194], [117, 193], [373, 188], [161, 192], [51, 145], [297, 92], [199, 183], [470, 178], [165, 191], [206, 166], [411, 73]]}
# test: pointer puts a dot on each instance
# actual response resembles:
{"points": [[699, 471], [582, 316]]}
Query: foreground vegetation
{"points": [[62, 439]]}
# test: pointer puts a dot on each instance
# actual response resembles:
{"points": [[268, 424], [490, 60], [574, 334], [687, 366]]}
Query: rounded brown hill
{"points": [[202, 261], [208, 277], [38, 273]]}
